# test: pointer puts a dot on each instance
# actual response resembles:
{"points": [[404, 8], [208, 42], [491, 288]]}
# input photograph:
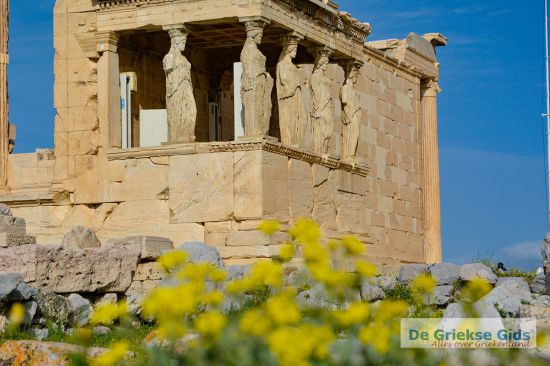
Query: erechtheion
{"points": [[197, 119]]}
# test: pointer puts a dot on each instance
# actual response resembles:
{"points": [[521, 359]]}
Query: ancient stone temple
{"points": [[195, 120]]}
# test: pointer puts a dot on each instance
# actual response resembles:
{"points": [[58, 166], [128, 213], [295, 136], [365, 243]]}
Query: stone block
{"points": [[275, 187], [81, 237], [325, 201], [300, 189], [201, 187], [150, 271], [351, 213], [151, 246], [247, 238], [248, 190], [54, 268]]}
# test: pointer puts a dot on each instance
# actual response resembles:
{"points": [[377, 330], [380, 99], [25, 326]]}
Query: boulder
{"points": [[13, 230], [470, 271], [538, 284], [23, 292], [541, 313], [509, 296], [62, 270], [409, 272], [39, 334], [81, 310], [483, 310], [315, 297], [445, 273], [55, 307], [370, 292], [36, 353], [31, 308], [385, 282], [440, 296], [541, 301], [237, 272], [4, 322], [8, 284], [5, 210], [110, 298], [151, 246], [201, 253], [81, 237], [502, 280]]}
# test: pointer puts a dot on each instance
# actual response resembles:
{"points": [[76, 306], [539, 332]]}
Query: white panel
{"points": [[237, 73], [153, 130]]}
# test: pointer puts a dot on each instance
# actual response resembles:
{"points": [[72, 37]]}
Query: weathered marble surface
{"points": [[180, 101], [351, 114], [256, 83], [292, 113]]}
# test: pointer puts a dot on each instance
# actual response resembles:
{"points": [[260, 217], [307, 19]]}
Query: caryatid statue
{"points": [[322, 113], [292, 112], [351, 112], [256, 83], [180, 101]]}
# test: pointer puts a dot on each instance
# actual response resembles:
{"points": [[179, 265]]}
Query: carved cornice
{"points": [[339, 21], [234, 146]]}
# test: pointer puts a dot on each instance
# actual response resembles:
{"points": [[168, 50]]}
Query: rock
{"points": [[542, 301], [149, 271], [30, 311], [441, 295], [62, 270], [201, 253], [36, 353], [23, 292], [101, 330], [5, 210], [134, 301], [81, 310], [385, 282], [3, 324], [370, 292], [409, 272], [8, 284], [111, 298], [81, 237], [541, 313], [315, 297], [470, 271], [538, 284], [39, 334], [445, 273], [502, 280], [151, 246], [54, 307], [483, 310], [509, 296], [236, 272]]}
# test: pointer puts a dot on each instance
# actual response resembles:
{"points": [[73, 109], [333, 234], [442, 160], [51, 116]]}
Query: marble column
{"points": [[430, 172], [108, 93], [4, 125]]}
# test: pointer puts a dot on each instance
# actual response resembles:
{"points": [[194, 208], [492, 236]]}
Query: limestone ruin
{"points": [[134, 157]]}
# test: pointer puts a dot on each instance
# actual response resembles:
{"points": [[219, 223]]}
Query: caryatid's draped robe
{"points": [[351, 118], [292, 113], [322, 115], [256, 88], [180, 101]]}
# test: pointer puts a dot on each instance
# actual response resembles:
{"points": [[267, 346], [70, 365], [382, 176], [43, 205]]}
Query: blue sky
{"points": [[490, 127]]}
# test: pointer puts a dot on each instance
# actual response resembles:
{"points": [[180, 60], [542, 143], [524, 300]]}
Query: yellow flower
{"points": [[261, 274], [212, 298], [172, 259], [353, 246], [172, 303], [282, 310], [210, 324], [306, 231], [423, 284], [391, 310], [255, 322], [287, 252], [357, 313], [107, 313], [475, 289], [365, 269], [376, 335], [112, 356], [269, 227], [17, 314], [297, 346]]}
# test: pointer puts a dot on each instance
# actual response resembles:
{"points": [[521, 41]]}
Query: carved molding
{"points": [[233, 146]]}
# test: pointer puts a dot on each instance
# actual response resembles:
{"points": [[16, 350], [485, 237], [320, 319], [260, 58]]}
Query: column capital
{"points": [[321, 51], [255, 21], [107, 41], [430, 88], [175, 30], [291, 38]]}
